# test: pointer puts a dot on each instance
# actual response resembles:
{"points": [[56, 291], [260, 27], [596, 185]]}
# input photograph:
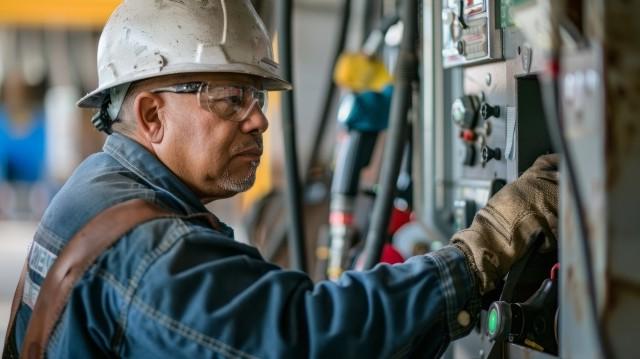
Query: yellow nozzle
{"points": [[358, 72]]}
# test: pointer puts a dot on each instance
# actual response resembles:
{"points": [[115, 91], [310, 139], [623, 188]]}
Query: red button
{"points": [[468, 136]]}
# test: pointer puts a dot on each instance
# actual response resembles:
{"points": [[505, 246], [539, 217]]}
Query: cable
{"points": [[331, 89], [293, 192], [406, 74], [551, 99]]}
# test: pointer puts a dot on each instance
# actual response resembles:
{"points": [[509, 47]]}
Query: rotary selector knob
{"points": [[487, 111], [465, 111]]}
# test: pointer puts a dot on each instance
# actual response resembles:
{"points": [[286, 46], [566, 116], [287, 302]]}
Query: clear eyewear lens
{"points": [[231, 102]]}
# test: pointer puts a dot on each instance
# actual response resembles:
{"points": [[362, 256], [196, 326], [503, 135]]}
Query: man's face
{"points": [[215, 156]]}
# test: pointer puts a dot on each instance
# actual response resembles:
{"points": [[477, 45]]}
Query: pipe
{"points": [[293, 192], [280, 236], [405, 75]]}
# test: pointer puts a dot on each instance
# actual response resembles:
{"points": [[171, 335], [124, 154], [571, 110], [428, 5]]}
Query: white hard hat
{"points": [[151, 38]]}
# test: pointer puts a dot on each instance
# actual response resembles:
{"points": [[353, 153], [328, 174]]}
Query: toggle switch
{"points": [[487, 111], [489, 153]]}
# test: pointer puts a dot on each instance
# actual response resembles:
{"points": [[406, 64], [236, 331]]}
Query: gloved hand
{"points": [[502, 231]]}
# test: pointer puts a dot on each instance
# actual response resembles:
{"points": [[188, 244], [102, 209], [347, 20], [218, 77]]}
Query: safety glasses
{"points": [[233, 103]]}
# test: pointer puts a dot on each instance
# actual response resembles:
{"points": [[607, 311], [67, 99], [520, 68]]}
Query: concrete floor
{"points": [[14, 243]]}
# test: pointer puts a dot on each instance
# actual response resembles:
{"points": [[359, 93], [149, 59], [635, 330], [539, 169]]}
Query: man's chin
{"points": [[232, 186], [222, 193], [228, 185]]}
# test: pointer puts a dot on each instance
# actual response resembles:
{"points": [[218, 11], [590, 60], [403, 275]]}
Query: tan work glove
{"points": [[502, 231]]}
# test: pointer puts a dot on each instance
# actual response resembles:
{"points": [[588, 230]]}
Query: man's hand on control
{"points": [[502, 231]]}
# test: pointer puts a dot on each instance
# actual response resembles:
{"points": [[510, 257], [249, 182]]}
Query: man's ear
{"points": [[147, 108]]}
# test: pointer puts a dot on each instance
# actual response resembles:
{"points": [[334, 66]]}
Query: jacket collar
{"points": [[145, 165]]}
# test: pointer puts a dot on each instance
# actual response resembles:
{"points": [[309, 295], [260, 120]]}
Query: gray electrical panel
{"points": [[483, 125]]}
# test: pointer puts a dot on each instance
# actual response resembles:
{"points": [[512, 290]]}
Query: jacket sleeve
{"points": [[209, 296]]}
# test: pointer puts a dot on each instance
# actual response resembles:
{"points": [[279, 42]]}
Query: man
{"points": [[181, 87]]}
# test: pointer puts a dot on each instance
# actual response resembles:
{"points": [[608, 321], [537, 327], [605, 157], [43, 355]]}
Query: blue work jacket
{"points": [[175, 288]]}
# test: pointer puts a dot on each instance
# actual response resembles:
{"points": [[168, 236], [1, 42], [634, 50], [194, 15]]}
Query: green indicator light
{"points": [[492, 323]]}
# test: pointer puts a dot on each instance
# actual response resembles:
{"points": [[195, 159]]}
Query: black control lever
{"points": [[461, 15]]}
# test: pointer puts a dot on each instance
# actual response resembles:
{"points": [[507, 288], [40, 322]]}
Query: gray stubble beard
{"points": [[229, 184]]}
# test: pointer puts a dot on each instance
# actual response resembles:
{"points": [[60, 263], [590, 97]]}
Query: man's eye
{"points": [[234, 100], [224, 107]]}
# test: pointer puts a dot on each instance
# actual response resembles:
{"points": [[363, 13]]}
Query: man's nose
{"points": [[256, 120]]}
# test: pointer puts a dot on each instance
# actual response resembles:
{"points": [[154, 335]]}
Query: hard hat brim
{"points": [[268, 82]]}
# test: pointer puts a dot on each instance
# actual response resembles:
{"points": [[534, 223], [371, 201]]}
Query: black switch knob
{"points": [[487, 111], [461, 48], [489, 153], [469, 155]]}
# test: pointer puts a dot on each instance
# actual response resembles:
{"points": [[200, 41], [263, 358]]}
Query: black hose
{"points": [[320, 132], [405, 75], [373, 10], [293, 192], [330, 93]]}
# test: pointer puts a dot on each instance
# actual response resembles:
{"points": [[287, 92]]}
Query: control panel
{"points": [[489, 126], [498, 129], [470, 32]]}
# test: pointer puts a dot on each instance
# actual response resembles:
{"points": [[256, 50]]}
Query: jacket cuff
{"points": [[459, 288]]}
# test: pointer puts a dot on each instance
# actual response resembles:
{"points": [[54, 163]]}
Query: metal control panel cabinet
{"points": [[483, 125], [483, 110], [498, 127]]}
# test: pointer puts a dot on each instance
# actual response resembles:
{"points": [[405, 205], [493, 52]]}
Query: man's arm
{"points": [[207, 295], [240, 306]]}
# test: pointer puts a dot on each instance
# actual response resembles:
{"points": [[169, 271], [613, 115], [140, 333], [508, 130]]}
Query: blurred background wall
{"points": [[47, 60]]}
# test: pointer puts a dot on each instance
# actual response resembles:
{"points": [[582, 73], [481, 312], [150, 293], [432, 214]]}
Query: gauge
{"points": [[465, 111]]}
